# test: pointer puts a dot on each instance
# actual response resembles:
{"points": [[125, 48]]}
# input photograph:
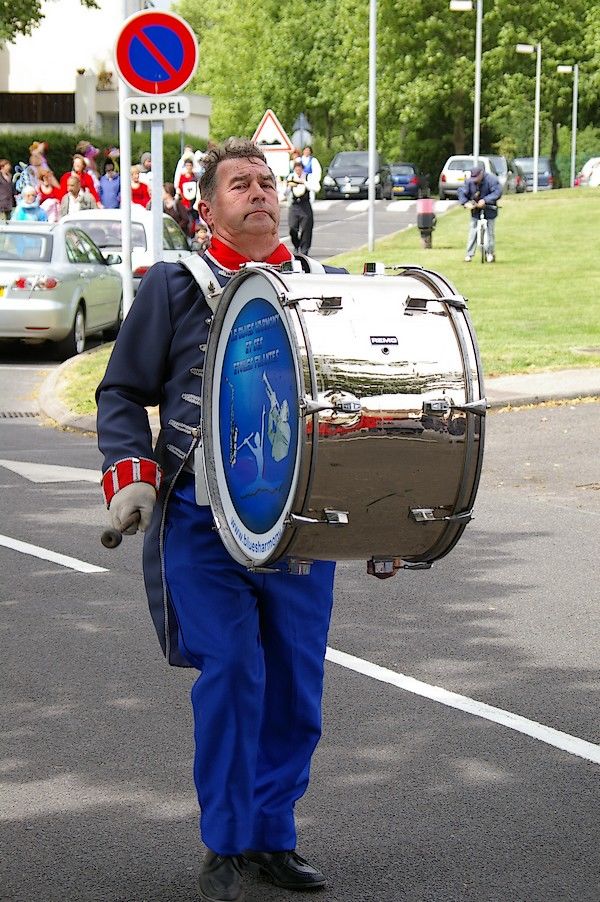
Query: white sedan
{"points": [[104, 226], [56, 286]]}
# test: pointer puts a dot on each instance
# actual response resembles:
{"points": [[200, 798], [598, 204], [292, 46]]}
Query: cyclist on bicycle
{"points": [[481, 192]]}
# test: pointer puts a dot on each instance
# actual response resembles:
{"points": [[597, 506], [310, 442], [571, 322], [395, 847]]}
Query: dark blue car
{"points": [[409, 181]]}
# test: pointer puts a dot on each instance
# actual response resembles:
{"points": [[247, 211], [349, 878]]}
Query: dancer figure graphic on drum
{"points": [[278, 428]]}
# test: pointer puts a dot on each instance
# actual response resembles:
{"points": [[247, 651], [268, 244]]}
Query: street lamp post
{"points": [[575, 70], [537, 49], [466, 6]]}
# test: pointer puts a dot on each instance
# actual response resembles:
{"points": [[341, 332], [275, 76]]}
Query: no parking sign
{"points": [[156, 52]]}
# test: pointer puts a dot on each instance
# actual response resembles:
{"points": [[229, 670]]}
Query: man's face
{"points": [[73, 185], [478, 176], [245, 202]]}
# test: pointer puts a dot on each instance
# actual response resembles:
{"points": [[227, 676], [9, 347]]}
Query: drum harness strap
{"points": [[211, 289]]}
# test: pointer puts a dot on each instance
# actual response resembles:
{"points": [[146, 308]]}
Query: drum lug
{"points": [[438, 408], [384, 567], [331, 518], [427, 515]]}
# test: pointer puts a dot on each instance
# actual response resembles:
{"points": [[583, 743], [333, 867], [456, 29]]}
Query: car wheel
{"points": [[442, 195], [111, 333], [74, 343]]}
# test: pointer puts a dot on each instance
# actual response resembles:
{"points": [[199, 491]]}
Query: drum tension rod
{"points": [[419, 305], [441, 406], [427, 515], [380, 269], [331, 518]]}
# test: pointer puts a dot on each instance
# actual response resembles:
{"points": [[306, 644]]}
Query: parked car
{"points": [[56, 286], [547, 173], [104, 226], [589, 174], [348, 176], [456, 170], [507, 172], [408, 180]]}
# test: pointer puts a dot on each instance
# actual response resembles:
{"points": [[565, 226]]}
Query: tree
{"points": [[22, 16]]}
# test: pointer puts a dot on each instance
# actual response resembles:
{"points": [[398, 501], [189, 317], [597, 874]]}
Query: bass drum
{"points": [[343, 417]]}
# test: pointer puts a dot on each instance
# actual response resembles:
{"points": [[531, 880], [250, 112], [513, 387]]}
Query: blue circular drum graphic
{"points": [[258, 418]]}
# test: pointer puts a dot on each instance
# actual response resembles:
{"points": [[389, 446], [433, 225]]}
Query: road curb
{"points": [[53, 408]]}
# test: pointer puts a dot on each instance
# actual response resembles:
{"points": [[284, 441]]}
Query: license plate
{"points": [[2, 290], [399, 189]]}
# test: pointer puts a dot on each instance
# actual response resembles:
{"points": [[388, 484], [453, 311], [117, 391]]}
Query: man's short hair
{"points": [[231, 149], [477, 169]]}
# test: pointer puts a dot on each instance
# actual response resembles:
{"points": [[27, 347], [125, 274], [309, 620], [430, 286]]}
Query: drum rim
{"points": [[302, 473]]}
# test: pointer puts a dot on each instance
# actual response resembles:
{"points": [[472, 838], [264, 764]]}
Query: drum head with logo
{"points": [[251, 433]]}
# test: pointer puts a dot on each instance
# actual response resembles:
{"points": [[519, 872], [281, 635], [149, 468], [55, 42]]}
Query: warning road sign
{"points": [[156, 52], [272, 139], [270, 134]]}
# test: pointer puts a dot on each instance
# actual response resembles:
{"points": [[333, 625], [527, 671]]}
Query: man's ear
{"points": [[204, 210]]}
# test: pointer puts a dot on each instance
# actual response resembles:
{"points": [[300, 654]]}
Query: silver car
{"points": [[457, 170], [508, 174], [104, 226], [56, 286]]}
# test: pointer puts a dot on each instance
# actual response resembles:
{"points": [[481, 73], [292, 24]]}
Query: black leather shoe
{"points": [[221, 879], [285, 869]]}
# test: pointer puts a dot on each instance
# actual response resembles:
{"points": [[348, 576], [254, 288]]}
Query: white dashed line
{"points": [[46, 555], [556, 738]]}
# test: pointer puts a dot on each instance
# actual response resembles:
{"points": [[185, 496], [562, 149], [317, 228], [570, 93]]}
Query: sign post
{"points": [[156, 55]]}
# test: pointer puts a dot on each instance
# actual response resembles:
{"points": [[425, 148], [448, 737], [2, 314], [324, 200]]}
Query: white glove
{"points": [[138, 497]]}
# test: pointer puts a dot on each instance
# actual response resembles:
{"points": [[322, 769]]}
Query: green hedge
{"points": [[15, 147]]}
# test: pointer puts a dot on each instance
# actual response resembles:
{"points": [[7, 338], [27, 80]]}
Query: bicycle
{"points": [[482, 232]]}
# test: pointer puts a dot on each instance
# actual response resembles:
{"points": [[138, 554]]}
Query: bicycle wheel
{"points": [[482, 235]]}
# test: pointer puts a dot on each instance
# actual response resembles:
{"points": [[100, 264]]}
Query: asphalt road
{"points": [[341, 225], [411, 798]]}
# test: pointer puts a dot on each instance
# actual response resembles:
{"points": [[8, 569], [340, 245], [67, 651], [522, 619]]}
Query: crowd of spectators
{"points": [[33, 191]]}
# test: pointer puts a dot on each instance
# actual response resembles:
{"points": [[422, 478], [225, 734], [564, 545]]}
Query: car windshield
{"points": [[343, 160], [107, 232], [466, 163], [403, 169], [25, 246]]}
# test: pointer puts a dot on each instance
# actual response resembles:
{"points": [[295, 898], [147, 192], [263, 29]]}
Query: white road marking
{"points": [[50, 472], [46, 555], [564, 741]]}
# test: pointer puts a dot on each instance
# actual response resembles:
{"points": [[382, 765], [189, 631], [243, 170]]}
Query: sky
{"points": [[70, 37]]}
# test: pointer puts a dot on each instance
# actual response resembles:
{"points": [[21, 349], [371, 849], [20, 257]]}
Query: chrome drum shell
{"points": [[391, 412]]}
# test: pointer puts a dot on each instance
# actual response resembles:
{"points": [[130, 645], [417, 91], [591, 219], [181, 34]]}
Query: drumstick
{"points": [[112, 538]]}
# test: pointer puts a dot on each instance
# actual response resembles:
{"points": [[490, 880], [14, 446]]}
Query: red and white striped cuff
{"points": [[131, 469]]}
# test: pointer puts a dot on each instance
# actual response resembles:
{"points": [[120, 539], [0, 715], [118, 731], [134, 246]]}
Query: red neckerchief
{"points": [[226, 257]]}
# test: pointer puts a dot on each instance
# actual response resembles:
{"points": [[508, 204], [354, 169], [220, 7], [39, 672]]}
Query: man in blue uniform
{"points": [[258, 640], [481, 191]]}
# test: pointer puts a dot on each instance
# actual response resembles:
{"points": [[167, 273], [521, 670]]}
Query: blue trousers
{"points": [[259, 641]]}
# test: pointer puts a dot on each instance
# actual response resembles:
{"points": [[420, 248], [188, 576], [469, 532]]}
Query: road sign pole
{"points": [[156, 152], [125, 174]]}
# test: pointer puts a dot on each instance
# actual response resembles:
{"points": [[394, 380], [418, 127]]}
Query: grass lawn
{"points": [[536, 308]]}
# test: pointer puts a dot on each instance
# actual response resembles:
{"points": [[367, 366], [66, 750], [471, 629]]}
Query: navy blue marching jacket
{"points": [[489, 190], [158, 359]]}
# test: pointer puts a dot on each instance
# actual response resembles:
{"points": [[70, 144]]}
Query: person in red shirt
{"points": [[139, 191], [87, 182], [187, 186]]}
